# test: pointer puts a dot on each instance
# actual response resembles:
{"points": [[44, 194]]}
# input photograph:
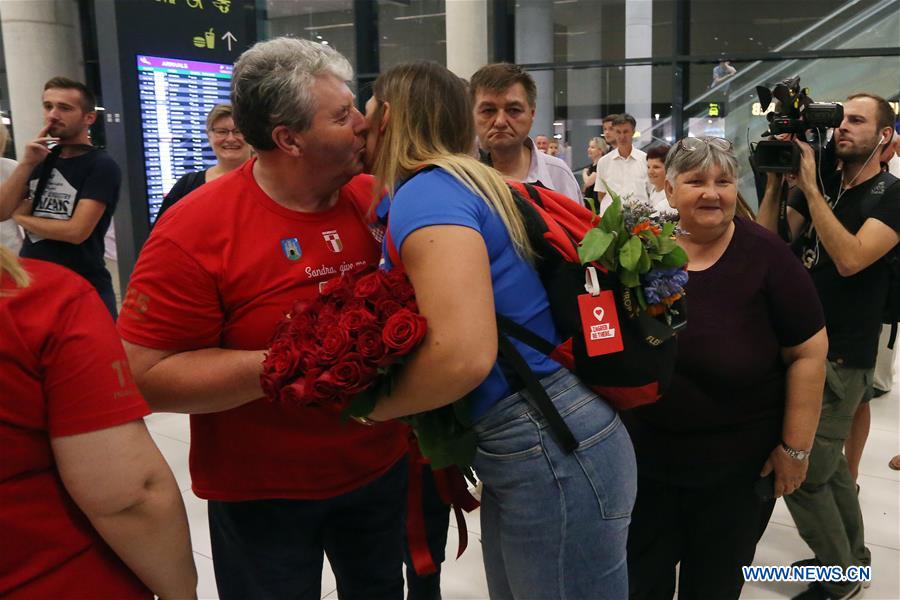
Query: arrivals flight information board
{"points": [[175, 97]]}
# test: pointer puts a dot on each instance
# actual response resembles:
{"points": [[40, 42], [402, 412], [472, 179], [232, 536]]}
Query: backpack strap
{"points": [[537, 395], [524, 335]]}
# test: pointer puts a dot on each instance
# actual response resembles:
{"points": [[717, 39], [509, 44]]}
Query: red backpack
{"points": [[636, 375]]}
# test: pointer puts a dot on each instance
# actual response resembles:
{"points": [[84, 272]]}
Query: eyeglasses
{"points": [[221, 132], [692, 144]]}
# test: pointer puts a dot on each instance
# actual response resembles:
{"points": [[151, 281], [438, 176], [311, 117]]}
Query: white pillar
{"points": [[534, 44], [41, 39], [467, 36], [639, 79]]}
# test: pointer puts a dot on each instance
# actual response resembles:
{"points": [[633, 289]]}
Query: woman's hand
{"points": [[789, 472]]}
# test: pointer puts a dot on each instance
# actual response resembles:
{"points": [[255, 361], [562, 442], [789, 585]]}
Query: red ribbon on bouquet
{"points": [[453, 490]]}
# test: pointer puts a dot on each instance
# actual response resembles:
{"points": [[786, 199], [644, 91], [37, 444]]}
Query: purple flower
{"points": [[662, 283]]}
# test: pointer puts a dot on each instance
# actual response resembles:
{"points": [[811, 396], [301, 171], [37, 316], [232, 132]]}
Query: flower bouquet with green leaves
{"points": [[637, 244]]}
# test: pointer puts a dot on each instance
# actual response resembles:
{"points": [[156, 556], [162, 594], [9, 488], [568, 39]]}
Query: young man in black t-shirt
{"points": [[841, 237], [77, 187]]}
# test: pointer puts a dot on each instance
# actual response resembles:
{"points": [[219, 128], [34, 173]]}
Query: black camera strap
{"points": [[44, 177]]}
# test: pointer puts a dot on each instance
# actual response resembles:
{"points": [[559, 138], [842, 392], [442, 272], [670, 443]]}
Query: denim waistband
{"points": [[516, 404]]}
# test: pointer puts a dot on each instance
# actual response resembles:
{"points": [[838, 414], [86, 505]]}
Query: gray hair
{"points": [[703, 158], [272, 85]]}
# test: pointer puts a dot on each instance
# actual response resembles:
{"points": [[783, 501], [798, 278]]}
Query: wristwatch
{"points": [[364, 421], [795, 454]]}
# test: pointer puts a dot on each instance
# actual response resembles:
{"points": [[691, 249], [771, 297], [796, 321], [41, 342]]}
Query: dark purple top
{"points": [[723, 413]]}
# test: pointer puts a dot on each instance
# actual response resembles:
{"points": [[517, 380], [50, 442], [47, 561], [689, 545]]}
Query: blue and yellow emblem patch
{"points": [[291, 248]]}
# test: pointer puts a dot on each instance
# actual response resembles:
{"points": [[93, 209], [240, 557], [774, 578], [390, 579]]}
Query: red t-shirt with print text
{"points": [[63, 372], [220, 270]]}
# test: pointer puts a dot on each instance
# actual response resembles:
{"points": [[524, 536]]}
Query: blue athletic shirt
{"points": [[435, 197]]}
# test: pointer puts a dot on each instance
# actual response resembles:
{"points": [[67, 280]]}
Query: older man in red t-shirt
{"points": [[284, 485]]}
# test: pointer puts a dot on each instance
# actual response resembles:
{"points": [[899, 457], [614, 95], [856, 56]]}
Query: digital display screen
{"points": [[175, 97]]}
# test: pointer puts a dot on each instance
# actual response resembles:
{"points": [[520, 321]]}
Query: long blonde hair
{"points": [[431, 124], [10, 265]]}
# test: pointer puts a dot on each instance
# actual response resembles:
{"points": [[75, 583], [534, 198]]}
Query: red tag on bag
{"points": [[600, 322]]}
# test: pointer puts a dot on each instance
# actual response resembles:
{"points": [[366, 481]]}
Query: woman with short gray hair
{"points": [[732, 432]]}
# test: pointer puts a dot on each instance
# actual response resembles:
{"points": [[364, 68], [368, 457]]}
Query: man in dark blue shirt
{"points": [[64, 197]]}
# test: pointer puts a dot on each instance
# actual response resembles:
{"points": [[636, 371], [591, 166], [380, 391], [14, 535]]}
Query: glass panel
{"points": [[326, 21], [723, 27], [742, 119], [411, 30], [582, 97], [580, 30]]}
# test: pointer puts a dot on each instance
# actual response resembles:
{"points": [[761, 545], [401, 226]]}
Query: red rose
{"points": [[356, 319], [282, 359], [369, 345], [328, 311], [335, 343], [400, 287], [403, 331], [301, 323], [351, 375], [294, 394], [269, 385], [386, 307], [369, 286], [324, 387], [308, 359], [326, 322]]}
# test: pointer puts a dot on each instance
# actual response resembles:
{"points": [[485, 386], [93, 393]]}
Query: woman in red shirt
{"points": [[88, 506]]}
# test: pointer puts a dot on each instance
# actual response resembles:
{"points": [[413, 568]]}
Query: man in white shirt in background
{"points": [[504, 98], [542, 143], [623, 169]]}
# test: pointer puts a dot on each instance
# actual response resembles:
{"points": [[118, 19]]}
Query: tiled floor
{"points": [[464, 578]]}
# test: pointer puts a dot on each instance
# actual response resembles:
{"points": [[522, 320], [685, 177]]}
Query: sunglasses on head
{"points": [[692, 144]]}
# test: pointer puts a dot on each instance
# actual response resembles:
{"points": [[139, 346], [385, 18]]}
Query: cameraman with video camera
{"points": [[841, 223]]}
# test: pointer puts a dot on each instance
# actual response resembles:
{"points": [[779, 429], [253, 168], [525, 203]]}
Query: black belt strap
{"points": [[538, 396]]}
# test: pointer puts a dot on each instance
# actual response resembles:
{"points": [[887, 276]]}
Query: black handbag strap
{"points": [[538, 396]]}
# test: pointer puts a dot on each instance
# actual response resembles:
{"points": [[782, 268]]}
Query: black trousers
{"points": [[712, 531], [273, 549]]}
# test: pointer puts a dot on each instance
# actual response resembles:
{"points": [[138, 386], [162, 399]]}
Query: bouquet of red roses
{"points": [[342, 349], [331, 350]]}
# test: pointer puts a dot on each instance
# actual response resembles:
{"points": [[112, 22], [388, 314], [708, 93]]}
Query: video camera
{"points": [[797, 114]]}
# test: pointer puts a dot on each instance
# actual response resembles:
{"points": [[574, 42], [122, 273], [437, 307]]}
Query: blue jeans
{"points": [[273, 549], [555, 525]]}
